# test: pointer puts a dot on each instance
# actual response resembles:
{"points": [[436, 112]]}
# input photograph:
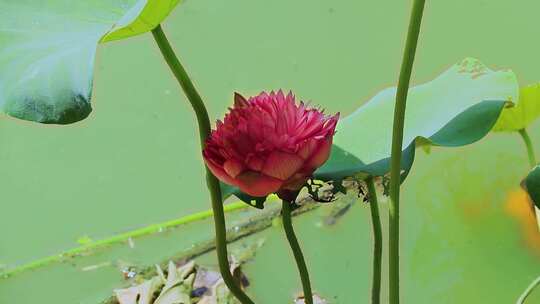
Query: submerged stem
{"points": [[397, 143], [211, 181], [297, 252], [529, 146], [117, 239], [377, 242]]}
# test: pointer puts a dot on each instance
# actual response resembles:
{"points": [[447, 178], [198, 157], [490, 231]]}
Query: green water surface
{"points": [[135, 160]]}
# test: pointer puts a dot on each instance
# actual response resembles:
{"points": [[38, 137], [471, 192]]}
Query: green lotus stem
{"points": [[377, 242], [297, 252], [528, 291], [528, 144], [211, 181], [397, 143]]}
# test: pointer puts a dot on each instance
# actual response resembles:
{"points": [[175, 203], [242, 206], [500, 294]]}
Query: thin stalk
{"points": [[532, 158], [528, 291], [377, 242], [397, 143], [211, 181], [532, 162], [528, 144], [297, 252]]}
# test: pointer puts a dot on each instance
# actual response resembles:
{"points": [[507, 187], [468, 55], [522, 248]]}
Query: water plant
{"points": [[269, 144], [473, 97], [211, 181], [517, 117], [397, 145], [51, 71], [531, 184], [66, 60]]}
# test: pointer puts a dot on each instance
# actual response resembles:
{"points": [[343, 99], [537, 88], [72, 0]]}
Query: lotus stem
{"points": [[528, 291], [377, 242], [397, 143], [529, 146], [532, 159], [211, 181], [297, 251]]}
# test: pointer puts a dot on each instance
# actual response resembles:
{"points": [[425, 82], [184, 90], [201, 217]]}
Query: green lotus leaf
{"points": [[457, 108], [532, 184], [144, 16], [49, 47], [523, 113]]}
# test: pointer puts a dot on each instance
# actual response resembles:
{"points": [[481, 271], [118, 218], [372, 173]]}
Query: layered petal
{"points": [[282, 165], [321, 153], [308, 148], [297, 180], [233, 167], [219, 172], [267, 143], [257, 184]]}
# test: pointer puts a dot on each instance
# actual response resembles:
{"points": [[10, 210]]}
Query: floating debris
{"points": [[316, 300], [131, 243], [84, 240], [129, 273], [129, 270], [140, 294], [187, 284], [96, 266]]}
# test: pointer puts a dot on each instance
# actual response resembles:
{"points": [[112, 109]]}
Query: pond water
{"points": [[135, 161]]}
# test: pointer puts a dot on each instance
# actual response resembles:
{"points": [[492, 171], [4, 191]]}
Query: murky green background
{"points": [[135, 161]]}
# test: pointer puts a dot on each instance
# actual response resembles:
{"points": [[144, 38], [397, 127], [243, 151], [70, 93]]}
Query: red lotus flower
{"points": [[269, 144]]}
